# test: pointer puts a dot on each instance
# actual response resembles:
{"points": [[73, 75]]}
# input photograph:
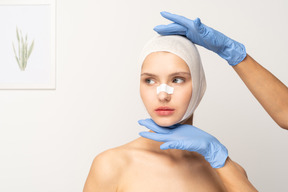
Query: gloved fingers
{"points": [[154, 136], [150, 124], [176, 18], [170, 29], [176, 144], [199, 26]]}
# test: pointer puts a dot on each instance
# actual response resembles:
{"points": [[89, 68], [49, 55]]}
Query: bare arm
{"points": [[234, 177], [271, 93], [103, 175]]}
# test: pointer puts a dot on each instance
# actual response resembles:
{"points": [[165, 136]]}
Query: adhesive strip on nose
{"points": [[166, 88]]}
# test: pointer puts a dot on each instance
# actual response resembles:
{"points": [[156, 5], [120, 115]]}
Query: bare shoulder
{"points": [[241, 169], [106, 170]]}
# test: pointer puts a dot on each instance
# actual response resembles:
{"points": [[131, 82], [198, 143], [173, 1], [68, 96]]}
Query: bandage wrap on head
{"points": [[186, 50], [166, 88]]}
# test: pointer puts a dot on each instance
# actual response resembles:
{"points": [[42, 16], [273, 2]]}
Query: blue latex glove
{"points": [[232, 51], [187, 137]]}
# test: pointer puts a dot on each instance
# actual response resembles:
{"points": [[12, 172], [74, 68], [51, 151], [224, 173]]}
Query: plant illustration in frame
{"points": [[23, 51]]}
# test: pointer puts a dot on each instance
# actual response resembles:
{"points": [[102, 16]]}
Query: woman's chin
{"points": [[164, 123]]}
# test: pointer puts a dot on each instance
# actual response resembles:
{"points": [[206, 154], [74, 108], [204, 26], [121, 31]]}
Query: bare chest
{"points": [[162, 175]]}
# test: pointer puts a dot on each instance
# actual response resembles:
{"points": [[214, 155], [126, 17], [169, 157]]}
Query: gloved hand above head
{"points": [[230, 50], [187, 137]]}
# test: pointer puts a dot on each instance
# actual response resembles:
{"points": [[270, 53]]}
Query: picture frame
{"points": [[28, 44]]}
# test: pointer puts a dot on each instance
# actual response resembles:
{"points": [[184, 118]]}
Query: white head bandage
{"points": [[185, 49], [166, 88]]}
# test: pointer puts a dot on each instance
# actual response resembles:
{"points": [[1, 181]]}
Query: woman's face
{"points": [[165, 67]]}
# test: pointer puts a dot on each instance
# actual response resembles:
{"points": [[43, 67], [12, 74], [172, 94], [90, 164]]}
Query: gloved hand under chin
{"points": [[230, 50], [187, 137]]}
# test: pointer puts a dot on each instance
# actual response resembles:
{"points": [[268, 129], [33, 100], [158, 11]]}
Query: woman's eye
{"points": [[149, 81], [178, 80]]}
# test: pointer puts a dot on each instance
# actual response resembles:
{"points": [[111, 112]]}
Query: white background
{"points": [[48, 138]]}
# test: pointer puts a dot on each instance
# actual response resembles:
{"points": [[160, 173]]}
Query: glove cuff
{"points": [[220, 157], [238, 54], [233, 52]]}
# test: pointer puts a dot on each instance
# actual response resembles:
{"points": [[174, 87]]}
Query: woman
{"points": [[172, 85]]}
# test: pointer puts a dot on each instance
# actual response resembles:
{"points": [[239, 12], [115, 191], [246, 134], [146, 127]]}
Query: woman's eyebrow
{"points": [[172, 74]]}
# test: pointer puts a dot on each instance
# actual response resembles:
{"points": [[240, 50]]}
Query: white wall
{"points": [[48, 139]]}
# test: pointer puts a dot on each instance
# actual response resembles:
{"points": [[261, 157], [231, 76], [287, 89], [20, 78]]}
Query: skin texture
{"points": [[271, 93], [234, 177]]}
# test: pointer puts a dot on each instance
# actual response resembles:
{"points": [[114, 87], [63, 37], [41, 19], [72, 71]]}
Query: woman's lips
{"points": [[163, 111]]}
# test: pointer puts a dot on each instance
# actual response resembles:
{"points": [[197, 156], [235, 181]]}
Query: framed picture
{"points": [[27, 44]]}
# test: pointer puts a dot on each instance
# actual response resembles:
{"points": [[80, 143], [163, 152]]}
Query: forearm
{"points": [[271, 93], [234, 178]]}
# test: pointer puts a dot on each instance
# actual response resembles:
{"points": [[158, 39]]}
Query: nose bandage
{"points": [[186, 50], [166, 88]]}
